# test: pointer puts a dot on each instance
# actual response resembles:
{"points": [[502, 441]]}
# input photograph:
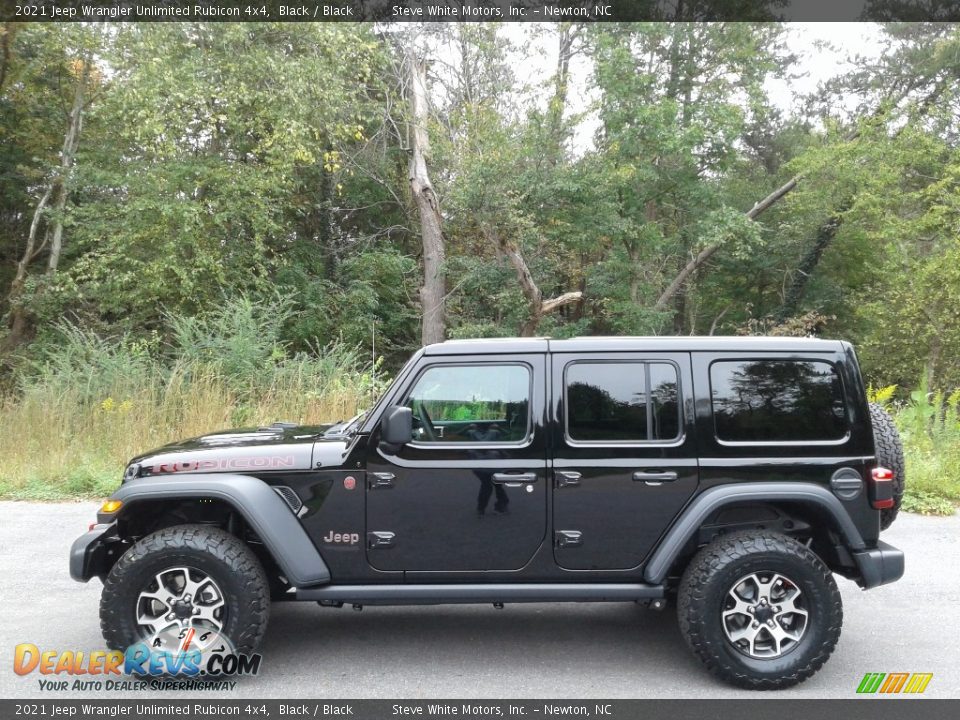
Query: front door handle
{"points": [[654, 477], [380, 539], [569, 538], [514, 479]]}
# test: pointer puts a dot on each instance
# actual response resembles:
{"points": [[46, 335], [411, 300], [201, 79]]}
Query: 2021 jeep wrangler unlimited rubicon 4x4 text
{"points": [[732, 475]]}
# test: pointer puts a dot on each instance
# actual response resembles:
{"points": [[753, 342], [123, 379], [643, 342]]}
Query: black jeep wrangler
{"points": [[732, 475]]}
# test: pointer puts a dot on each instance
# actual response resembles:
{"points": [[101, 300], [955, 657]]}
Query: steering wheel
{"points": [[420, 409]]}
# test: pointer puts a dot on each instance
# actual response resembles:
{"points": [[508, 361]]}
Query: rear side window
{"points": [[777, 401], [622, 402]]}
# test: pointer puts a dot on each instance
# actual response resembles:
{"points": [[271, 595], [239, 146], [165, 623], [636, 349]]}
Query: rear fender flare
{"points": [[262, 508], [708, 502]]}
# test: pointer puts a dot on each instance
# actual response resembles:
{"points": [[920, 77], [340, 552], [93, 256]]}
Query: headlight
{"points": [[132, 472]]}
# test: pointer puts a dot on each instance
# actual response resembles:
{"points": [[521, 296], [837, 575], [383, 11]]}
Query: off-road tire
{"points": [[717, 567], [222, 556], [889, 450]]}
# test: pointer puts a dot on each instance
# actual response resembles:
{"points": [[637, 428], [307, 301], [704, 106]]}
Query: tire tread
{"points": [[889, 450], [700, 575], [221, 545]]}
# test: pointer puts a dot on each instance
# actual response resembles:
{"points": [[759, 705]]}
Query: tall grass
{"points": [[929, 425], [88, 404]]}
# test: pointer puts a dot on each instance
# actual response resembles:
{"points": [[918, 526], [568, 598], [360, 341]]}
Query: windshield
{"points": [[352, 425], [374, 411]]}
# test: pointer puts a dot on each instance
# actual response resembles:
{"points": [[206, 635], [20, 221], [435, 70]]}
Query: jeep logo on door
{"points": [[342, 538]]}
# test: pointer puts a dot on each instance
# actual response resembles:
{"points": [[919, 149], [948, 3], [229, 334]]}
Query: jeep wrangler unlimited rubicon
{"points": [[732, 475]]}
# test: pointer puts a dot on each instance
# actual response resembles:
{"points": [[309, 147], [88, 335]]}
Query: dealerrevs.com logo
{"points": [[195, 664], [894, 683]]}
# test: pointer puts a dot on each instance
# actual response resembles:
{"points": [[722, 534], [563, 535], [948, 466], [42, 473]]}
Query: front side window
{"points": [[471, 404], [777, 401], [622, 402]]}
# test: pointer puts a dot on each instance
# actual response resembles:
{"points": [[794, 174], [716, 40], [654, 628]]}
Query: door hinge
{"points": [[380, 539], [569, 538], [566, 478]]}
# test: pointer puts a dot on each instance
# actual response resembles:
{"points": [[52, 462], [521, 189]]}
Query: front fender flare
{"points": [[713, 499], [263, 510]]}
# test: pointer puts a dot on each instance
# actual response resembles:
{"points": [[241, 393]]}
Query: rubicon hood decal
{"points": [[237, 463], [246, 451]]}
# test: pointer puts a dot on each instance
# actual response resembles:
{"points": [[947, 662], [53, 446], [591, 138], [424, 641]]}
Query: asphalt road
{"points": [[554, 651]]}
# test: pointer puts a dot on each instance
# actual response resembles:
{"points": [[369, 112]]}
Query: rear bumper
{"points": [[879, 566], [89, 554]]}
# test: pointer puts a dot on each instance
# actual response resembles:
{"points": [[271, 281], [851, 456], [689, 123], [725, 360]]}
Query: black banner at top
{"points": [[476, 10]]}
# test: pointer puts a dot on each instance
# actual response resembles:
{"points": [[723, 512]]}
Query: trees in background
{"points": [[397, 192]]}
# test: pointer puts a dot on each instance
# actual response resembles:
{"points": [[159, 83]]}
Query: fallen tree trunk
{"points": [[537, 306], [701, 257]]}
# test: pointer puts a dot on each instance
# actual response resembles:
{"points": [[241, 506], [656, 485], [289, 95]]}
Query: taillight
{"points": [[881, 488]]}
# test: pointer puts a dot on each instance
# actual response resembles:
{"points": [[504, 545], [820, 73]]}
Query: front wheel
{"points": [[759, 609], [189, 583]]}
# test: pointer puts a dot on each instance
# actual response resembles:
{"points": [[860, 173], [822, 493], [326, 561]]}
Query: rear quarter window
{"points": [[757, 401]]}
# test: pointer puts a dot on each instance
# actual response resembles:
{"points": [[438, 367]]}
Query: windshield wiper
{"points": [[347, 427]]}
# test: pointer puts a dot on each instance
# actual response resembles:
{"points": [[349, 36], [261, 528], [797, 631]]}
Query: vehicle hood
{"points": [[246, 451]]}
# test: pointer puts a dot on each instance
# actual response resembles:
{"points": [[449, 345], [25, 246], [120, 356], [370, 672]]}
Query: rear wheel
{"points": [[189, 581], [889, 451], [759, 609]]}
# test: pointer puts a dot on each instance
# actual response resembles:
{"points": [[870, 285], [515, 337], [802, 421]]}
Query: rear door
{"points": [[469, 493], [625, 455]]}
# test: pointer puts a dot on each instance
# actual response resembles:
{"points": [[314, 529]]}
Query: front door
{"points": [[469, 493], [625, 461]]}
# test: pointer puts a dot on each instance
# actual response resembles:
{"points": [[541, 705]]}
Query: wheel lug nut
{"points": [[770, 623], [756, 625]]}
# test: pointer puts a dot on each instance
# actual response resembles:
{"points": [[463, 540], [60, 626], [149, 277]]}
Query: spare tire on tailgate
{"points": [[889, 450]]}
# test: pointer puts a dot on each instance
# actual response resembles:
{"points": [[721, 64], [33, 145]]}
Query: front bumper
{"points": [[879, 566], [91, 553]]}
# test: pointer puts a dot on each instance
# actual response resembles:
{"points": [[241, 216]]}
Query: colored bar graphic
{"points": [[918, 682], [894, 682], [870, 682]]}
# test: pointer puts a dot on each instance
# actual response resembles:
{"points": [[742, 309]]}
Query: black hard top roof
{"points": [[660, 343]]}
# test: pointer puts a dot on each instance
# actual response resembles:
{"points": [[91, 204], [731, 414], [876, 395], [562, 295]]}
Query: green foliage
{"points": [[929, 425], [270, 159], [927, 503], [882, 395], [87, 404], [239, 339], [239, 216]]}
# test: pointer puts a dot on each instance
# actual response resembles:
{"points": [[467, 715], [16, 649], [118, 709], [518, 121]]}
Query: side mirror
{"points": [[396, 428]]}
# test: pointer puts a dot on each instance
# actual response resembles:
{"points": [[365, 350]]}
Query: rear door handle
{"points": [[566, 478], [381, 479], [514, 479], [654, 477]]}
